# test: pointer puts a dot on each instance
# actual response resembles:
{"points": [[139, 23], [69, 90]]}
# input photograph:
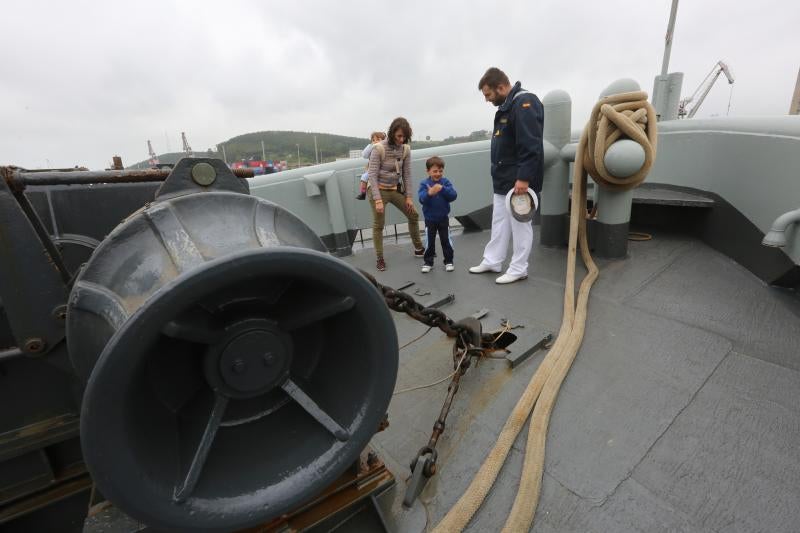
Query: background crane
{"points": [[153, 157], [186, 148], [684, 111]]}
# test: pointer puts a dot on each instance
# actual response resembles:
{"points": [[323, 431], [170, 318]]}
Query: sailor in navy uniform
{"points": [[517, 160]]}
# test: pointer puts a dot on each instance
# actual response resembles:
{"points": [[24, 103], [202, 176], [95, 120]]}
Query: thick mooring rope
{"points": [[624, 114], [627, 114]]}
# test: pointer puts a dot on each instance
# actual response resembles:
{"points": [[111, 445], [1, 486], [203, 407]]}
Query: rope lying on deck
{"points": [[626, 114]]}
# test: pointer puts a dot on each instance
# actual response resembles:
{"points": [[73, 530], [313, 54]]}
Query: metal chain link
{"points": [[424, 464], [430, 316]]}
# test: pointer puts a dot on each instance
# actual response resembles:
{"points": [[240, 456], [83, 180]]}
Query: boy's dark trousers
{"points": [[443, 229]]}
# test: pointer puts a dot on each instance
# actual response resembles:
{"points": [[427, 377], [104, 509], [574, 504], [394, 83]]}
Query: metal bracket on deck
{"points": [[521, 352], [441, 301]]}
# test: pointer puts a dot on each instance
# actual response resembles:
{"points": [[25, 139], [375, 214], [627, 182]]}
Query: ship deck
{"points": [[681, 411]]}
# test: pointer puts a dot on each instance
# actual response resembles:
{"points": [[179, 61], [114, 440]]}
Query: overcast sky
{"points": [[81, 81]]}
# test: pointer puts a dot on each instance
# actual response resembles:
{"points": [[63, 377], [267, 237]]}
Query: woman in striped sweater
{"points": [[390, 183]]}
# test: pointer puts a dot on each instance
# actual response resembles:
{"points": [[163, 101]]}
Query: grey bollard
{"points": [[610, 235], [555, 187]]}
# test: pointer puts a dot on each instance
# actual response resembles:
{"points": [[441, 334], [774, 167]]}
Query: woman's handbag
{"points": [[401, 185]]}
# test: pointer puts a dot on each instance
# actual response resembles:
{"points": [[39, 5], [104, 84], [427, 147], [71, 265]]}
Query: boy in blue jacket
{"points": [[435, 194]]}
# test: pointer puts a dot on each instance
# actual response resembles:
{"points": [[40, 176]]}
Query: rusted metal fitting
{"points": [[34, 345], [8, 175], [18, 179], [430, 469]]}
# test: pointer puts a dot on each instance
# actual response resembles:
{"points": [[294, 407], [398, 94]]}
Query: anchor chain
{"points": [[430, 316], [470, 342], [423, 467]]}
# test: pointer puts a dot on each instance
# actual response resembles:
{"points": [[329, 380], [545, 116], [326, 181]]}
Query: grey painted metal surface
{"points": [[265, 456], [305, 191], [555, 185], [681, 408], [686, 397], [32, 276], [201, 295], [655, 194], [777, 233], [167, 239], [208, 325], [667, 86], [614, 207], [621, 85], [624, 158], [667, 94], [39, 449], [679, 414], [555, 188], [751, 162]]}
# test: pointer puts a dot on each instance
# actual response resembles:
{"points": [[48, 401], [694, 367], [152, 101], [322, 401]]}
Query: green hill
{"points": [[284, 146]]}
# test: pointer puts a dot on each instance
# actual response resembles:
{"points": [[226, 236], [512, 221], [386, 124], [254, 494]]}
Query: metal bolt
{"points": [[372, 459], [204, 174], [34, 345], [268, 359], [60, 312], [239, 366]]}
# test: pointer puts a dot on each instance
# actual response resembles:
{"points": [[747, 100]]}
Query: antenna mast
{"points": [[667, 86], [668, 38]]}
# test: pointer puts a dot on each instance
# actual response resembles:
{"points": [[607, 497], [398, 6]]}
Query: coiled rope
{"points": [[627, 114]]}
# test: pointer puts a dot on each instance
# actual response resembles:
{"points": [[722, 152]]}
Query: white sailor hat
{"points": [[522, 206]]}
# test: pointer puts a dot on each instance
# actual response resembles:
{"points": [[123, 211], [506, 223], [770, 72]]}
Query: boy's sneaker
{"points": [[449, 267], [361, 196], [419, 253], [381, 264], [426, 268]]}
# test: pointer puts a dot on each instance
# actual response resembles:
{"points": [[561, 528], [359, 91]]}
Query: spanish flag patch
{"points": [[526, 104]]}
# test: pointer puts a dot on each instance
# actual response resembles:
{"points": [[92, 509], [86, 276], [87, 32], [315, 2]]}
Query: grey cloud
{"points": [[83, 81]]}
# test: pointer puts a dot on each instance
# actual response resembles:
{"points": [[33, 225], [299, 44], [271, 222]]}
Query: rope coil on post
{"points": [[624, 114], [618, 115]]}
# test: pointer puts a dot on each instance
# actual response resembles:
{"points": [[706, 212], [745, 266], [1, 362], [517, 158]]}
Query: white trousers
{"points": [[504, 225]]}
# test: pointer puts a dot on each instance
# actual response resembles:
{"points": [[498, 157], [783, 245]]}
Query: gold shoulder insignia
{"points": [[526, 104]]}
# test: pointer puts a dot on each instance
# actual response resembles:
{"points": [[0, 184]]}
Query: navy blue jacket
{"points": [[517, 150], [436, 208]]}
